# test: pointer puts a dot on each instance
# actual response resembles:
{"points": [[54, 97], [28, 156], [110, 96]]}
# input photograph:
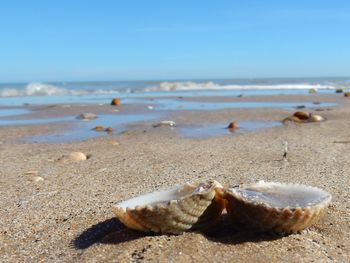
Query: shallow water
{"points": [[12, 112], [171, 104], [128, 97], [84, 129], [219, 129], [11, 122]]}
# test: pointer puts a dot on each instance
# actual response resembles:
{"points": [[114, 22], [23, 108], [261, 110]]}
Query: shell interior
{"points": [[280, 195], [164, 196]]}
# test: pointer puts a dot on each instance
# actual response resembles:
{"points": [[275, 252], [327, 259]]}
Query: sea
{"points": [[156, 98], [17, 94]]}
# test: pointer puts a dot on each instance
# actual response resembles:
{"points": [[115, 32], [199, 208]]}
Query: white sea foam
{"points": [[189, 85], [34, 89], [43, 89]]}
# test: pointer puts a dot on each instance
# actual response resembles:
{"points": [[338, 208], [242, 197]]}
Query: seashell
{"points": [[109, 129], [233, 125], [178, 209], [114, 142], [87, 116], [165, 123], [77, 156], [313, 90], [347, 94], [339, 91], [116, 102], [316, 118], [99, 128], [276, 207], [37, 179], [302, 115]]}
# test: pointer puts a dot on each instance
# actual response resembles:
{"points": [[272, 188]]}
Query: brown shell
{"points": [[233, 125], [116, 102], [302, 115], [262, 216], [196, 208]]}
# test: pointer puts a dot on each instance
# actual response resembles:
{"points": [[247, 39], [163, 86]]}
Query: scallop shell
{"points": [[276, 207], [178, 209], [316, 118], [302, 115]]}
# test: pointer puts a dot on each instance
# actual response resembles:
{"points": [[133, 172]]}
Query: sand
{"points": [[67, 216]]}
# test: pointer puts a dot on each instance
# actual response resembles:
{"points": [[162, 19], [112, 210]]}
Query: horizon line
{"points": [[172, 79]]}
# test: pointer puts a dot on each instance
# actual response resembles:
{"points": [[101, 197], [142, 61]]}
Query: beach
{"points": [[67, 215]]}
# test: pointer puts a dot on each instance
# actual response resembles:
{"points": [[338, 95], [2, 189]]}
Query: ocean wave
{"points": [[34, 89], [43, 89], [190, 85]]}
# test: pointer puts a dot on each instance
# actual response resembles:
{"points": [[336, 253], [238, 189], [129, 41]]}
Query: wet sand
{"points": [[67, 217]]}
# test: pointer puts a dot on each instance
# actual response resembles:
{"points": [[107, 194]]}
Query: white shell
{"points": [[165, 123]]}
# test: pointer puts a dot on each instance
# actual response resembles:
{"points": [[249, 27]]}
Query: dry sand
{"points": [[67, 216]]}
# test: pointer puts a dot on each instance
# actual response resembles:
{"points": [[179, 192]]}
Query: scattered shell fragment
{"points": [[276, 207], [178, 209], [116, 102], [99, 128], [75, 157], [304, 117], [32, 172], [316, 118], [87, 116], [109, 129], [115, 143], [233, 125], [339, 91], [165, 123], [313, 91], [36, 179]]}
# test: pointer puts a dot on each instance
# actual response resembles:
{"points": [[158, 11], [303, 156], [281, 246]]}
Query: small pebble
{"points": [[339, 91], [233, 125], [99, 128], [116, 102], [312, 91], [109, 129]]}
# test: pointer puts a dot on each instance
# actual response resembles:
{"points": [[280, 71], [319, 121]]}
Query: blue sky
{"points": [[73, 40]]}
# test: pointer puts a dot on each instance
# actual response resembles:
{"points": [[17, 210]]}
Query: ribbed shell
{"points": [[264, 217], [195, 210]]}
